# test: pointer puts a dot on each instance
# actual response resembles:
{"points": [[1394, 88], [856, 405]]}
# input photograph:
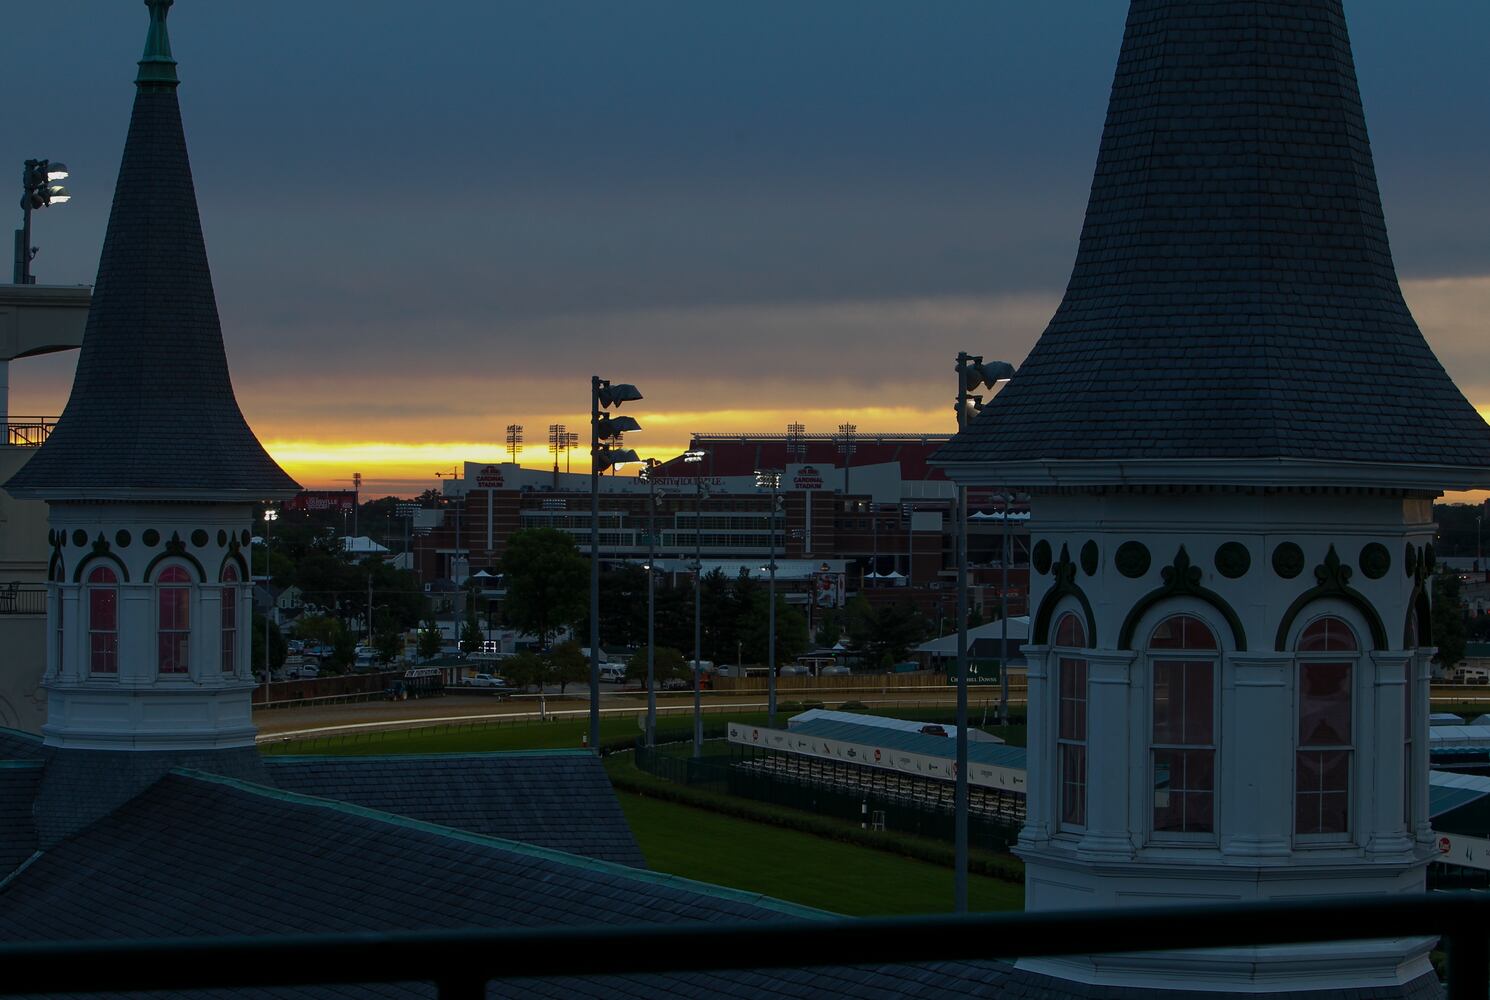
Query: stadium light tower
{"points": [[649, 473], [605, 429], [514, 440], [39, 189], [972, 374], [699, 492]]}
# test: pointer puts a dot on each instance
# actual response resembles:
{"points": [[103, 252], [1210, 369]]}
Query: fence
{"points": [[20, 599], [842, 793]]}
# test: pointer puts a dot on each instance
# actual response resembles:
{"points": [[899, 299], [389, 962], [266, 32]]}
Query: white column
{"points": [[1255, 756], [206, 634], [1382, 769], [1422, 666], [1108, 727], [1040, 736], [138, 649], [73, 667]]}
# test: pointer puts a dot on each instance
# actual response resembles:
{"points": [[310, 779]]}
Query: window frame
{"points": [[92, 586], [160, 584], [228, 621], [1351, 660], [1181, 655], [1070, 656]]}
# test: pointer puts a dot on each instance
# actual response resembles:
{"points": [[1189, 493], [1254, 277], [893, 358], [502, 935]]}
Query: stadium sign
{"points": [[489, 478], [807, 478]]}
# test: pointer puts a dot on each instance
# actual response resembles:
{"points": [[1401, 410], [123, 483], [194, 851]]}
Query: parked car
{"points": [[676, 684], [487, 681], [613, 673]]}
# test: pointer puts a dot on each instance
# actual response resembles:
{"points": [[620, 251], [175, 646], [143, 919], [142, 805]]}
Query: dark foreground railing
{"points": [[462, 962]]}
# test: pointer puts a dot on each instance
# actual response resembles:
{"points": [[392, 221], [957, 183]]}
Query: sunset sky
{"points": [[428, 221]]}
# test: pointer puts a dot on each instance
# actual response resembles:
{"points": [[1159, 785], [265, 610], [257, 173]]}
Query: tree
{"points": [[755, 630], [547, 582], [278, 647], [884, 634], [1449, 632], [430, 640], [343, 652], [470, 632], [829, 628], [667, 664], [568, 664], [623, 605], [525, 669], [388, 643]]}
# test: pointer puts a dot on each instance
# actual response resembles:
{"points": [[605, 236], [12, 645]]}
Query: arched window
{"points": [[173, 590], [1183, 750], [229, 618], [1322, 760], [1071, 683], [103, 621]]}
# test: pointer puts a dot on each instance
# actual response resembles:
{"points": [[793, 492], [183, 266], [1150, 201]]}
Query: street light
{"points": [[771, 479], [972, 374], [699, 492], [39, 189], [270, 516], [649, 473], [604, 429]]}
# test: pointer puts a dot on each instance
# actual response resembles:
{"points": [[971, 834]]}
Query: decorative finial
{"points": [[157, 68]]}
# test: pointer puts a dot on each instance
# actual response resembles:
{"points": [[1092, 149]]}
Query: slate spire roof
{"points": [[152, 412], [1234, 295]]}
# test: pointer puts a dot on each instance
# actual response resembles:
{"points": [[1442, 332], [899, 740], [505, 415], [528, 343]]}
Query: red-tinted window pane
{"points": [[1182, 632], [1184, 791], [1069, 632], [229, 629], [1328, 635], [1322, 803], [103, 622], [1324, 704], [1073, 784], [1073, 699], [1184, 702]]}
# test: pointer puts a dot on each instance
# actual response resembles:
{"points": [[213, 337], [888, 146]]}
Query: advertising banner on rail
{"points": [[922, 765]]}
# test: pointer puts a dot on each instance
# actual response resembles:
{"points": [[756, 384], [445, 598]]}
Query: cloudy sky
{"points": [[429, 220]]}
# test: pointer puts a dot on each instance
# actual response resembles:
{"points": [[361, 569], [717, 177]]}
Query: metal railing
{"points": [[28, 432], [462, 962], [23, 599]]}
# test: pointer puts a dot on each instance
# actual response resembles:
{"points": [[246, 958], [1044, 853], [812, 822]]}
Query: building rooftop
{"points": [[1233, 297]]}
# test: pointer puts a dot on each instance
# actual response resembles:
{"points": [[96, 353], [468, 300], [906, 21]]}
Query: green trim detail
{"points": [[1375, 560], [151, 537], [1132, 559], [199, 538], [122, 538], [79, 537], [222, 538], [1288, 560], [236, 558], [21, 765], [1091, 557], [639, 875], [1065, 583], [1233, 560], [1333, 578], [177, 548], [1040, 558], [1182, 580], [157, 68]]}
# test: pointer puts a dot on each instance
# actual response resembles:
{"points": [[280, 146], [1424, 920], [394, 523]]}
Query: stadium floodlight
{"points": [[620, 392], [770, 479], [614, 457], [39, 189], [976, 373], [611, 427]]}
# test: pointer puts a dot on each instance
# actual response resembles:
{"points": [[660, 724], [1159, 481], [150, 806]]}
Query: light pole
{"points": [[699, 492], [1004, 618], [972, 374], [650, 474], [38, 191], [604, 429], [771, 479], [270, 516]]}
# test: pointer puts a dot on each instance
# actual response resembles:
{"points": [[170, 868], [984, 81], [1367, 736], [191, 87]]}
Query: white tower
{"points": [[1232, 433], [150, 475]]}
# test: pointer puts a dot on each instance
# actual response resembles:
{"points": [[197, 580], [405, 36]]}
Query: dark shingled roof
{"points": [[152, 411], [18, 745], [556, 799], [18, 781], [1234, 295]]}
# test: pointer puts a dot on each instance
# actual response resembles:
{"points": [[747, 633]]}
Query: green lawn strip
{"points": [[627, 777], [798, 867]]}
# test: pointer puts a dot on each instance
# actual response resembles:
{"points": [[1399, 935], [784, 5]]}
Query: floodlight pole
{"points": [[651, 603], [1004, 618], [595, 383], [270, 514], [698, 614], [772, 479], [960, 794]]}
